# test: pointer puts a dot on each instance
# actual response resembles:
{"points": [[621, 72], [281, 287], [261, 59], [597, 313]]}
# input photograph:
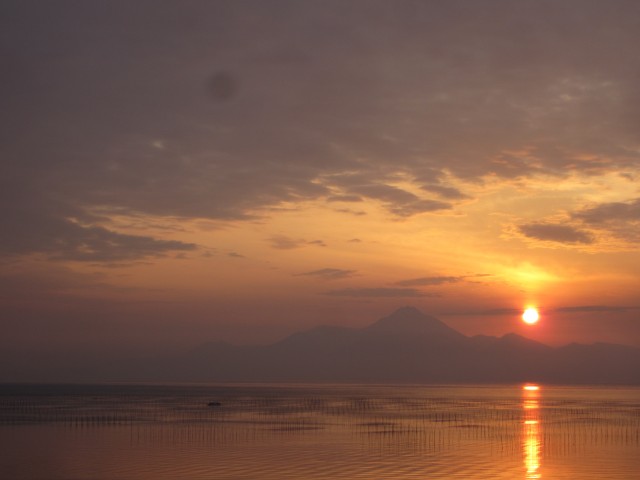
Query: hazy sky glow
{"points": [[176, 172]]}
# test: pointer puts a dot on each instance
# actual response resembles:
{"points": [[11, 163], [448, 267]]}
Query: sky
{"points": [[175, 172]]}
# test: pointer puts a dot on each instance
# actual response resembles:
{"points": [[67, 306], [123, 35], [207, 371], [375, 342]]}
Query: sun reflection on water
{"points": [[532, 444]]}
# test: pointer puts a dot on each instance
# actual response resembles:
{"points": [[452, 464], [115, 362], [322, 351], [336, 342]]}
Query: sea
{"points": [[267, 431]]}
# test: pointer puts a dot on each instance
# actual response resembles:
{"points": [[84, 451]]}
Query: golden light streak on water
{"points": [[532, 444], [316, 432]]}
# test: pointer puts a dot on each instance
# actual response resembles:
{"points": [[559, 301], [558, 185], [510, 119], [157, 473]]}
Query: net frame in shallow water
{"points": [[319, 431]]}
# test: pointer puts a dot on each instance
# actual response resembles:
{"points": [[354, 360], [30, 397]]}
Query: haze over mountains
{"points": [[406, 346]]}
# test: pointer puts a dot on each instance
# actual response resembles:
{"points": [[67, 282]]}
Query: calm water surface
{"points": [[318, 432]]}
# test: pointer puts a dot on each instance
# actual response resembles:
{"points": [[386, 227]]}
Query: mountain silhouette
{"points": [[404, 347], [411, 321]]}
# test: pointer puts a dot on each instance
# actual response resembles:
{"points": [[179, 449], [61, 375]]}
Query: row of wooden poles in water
{"points": [[593, 422]]}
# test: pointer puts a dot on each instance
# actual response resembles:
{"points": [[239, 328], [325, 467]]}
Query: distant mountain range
{"points": [[406, 346]]}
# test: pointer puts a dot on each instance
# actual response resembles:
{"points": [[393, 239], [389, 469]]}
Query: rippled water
{"points": [[318, 432]]}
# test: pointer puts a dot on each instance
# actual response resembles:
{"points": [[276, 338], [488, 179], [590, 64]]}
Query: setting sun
{"points": [[530, 316]]}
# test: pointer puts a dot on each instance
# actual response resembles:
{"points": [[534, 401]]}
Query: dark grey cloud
{"points": [[18, 282], [620, 219], [610, 212], [569, 309], [417, 207], [399, 201], [99, 244], [422, 281], [488, 312], [594, 308], [556, 233], [378, 292], [283, 242], [357, 213], [195, 111], [329, 273], [344, 198], [449, 193], [319, 243], [48, 232], [386, 193]]}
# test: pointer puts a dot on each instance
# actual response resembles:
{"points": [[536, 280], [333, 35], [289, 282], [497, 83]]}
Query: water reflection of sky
{"points": [[532, 444], [317, 432]]}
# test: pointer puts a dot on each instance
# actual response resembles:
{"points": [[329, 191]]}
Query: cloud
{"points": [[398, 201], [610, 212], [357, 213], [450, 193], [19, 281], [64, 239], [100, 244], [422, 281], [572, 309], [410, 91], [489, 312], [378, 292], [556, 233], [620, 219], [319, 243], [594, 308], [283, 242], [387, 193], [329, 273], [417, 207], [344, 198]]}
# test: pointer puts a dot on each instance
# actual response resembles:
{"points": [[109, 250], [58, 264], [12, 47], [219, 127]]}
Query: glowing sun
{"points": [[530, 316]]}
